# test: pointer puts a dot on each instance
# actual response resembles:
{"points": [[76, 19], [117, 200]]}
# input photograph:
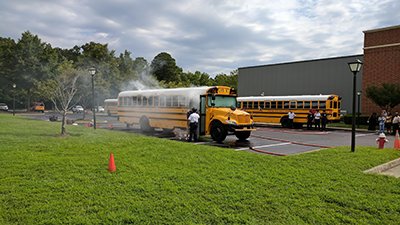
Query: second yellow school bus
{"points": [[111, 106], [274, 109], [167, 109]]}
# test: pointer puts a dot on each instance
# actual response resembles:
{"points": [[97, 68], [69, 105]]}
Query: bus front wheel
{"points": [[218, 132], [145, 125], [243, 135]]}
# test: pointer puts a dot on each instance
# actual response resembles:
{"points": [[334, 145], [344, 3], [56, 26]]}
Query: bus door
{"points": [[202, 111]]}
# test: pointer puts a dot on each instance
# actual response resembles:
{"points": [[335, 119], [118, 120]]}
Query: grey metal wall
{"points": [[322, 76]]}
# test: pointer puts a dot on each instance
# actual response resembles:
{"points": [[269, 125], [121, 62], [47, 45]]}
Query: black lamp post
{"points": [[358, 105], [14, 86], [355, 67], [92, 71]]}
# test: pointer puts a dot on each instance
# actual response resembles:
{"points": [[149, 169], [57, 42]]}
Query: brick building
{"points": [[381, 62]]}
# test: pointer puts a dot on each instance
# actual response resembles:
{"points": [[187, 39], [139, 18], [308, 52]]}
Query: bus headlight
{"points": [[232, 122]]}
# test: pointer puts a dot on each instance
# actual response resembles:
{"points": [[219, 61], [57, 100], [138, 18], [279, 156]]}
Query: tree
{"points": [[225, 80], [387, 97], [61, 91], [164, 68]]}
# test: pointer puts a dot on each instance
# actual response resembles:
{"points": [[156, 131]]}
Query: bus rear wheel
{"points": [[145, 125], [285, 122], [218, 132], [243, 135]]}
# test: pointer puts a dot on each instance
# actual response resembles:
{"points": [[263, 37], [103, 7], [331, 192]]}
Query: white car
{"points": [[4, 107], [99, 109], [77, 109]]}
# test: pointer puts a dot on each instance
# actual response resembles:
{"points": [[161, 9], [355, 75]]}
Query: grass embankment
{"points": [[47, 180]]}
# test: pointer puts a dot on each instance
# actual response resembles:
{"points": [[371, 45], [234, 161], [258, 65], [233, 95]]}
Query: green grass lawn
{"points": [[49, 180]]}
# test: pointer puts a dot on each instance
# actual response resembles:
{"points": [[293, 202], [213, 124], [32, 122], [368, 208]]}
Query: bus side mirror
{"points": [[213, 97], [212, 104]]}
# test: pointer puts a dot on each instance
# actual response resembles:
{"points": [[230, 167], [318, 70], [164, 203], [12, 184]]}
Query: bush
{"points": [[348, 119]]}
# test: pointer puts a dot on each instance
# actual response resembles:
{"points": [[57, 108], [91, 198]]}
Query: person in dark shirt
{"points": [[324, 120], [310, 117]]}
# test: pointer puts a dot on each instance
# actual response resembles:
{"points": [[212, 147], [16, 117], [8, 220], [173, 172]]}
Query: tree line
{"points": [[32, 65]]}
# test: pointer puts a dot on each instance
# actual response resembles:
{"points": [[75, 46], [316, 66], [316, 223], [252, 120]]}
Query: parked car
{"points": [[100, 109], [38, 106], [77, 109], [3, 107]]}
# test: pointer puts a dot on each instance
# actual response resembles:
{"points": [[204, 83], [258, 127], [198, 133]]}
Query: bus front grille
{"points": [[244, 119]]}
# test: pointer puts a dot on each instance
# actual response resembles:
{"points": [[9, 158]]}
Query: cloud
{"points": [[205, 35]]}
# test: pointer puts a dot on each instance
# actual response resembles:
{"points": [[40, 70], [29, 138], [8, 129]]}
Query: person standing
{"points": [[372, 122], [381, 121], [193, 122], [388, 122], [317, 118], [324, 119], [291, 116], [310, 117], [395, 122]]}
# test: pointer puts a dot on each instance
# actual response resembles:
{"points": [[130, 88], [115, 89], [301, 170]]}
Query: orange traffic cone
{"points": [[87, 124], [397, 141], [111, 127], [111, 165]]}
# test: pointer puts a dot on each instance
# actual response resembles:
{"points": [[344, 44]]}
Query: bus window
{"points": [[182, 101], [155, 100], [279, 105], [335, 105], [139, 100], [162, 100], [261, 105], [255, 105], [129, 101], [292, 105], [168, 101], [286, 105], [314, 104], [331, 105], [273, 105], [144, 101], [300, 105], [250, 105], [322, 104], [244, 105], [134, 101], [267, 105], [150, 100], [175, 101], [125, 101], [307, 105], [339, 105]]}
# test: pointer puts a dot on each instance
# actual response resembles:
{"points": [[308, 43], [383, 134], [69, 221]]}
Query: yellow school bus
{"points": [[111, 106], [167, 109], [274, 109]]}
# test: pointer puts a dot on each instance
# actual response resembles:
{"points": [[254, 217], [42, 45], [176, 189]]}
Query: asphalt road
{"points": [[268, 139]]}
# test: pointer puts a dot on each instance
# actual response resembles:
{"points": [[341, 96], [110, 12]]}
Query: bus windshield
{"points": [[222, 101]]}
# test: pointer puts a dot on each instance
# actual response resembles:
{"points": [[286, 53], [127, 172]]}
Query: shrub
{"points": [[348, 119]]}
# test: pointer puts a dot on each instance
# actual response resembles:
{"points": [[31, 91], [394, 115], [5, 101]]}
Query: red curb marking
{"points": [[271, 153]]}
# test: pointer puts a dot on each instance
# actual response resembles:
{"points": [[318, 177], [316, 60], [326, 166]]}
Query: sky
{"points": [[212, 36]]}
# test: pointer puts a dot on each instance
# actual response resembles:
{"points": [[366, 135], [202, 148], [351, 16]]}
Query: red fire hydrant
{"points": [[381, 140]]}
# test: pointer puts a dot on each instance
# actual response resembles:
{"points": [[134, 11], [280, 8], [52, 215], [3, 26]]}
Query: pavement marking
{"points": [[361, 135], [262, 146]]}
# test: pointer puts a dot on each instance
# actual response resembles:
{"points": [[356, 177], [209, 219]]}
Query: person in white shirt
{"points": [[193, 123], [291, 116], [317, 118]]}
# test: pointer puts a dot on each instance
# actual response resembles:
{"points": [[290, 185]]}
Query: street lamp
{"points": [[14, 86], [359, 93], [355, 67], [92, 71]]}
